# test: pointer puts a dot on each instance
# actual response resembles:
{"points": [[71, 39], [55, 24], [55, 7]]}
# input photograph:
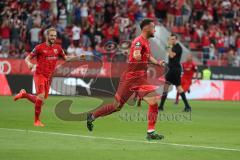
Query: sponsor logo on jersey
{"points": [[51, 57], [55, 51], [138, 44]]}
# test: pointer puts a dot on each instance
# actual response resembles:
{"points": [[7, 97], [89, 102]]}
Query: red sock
{"points": [[177, 97], [38, 107], [104, 110], [30, 97], [152, 117]]}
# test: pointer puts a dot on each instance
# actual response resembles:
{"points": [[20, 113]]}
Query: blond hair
{"points": [[51, 29]]}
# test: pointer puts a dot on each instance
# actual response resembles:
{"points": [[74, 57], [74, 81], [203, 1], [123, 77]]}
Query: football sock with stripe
{"points": [[152, 117]]}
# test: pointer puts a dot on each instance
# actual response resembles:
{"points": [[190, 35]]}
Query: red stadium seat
{"points": [[175, 29], [217, 63], [179, 30], [193, 46]]}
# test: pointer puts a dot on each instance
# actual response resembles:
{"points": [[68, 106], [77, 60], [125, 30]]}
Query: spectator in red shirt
{"points": [[205, 47], [220, 44], [116, 32], [109, 33], [194, 35], [161, 9], [150, 13], [45, 7], [5, 35], [178, 15], [91, 18], [199, 8]]}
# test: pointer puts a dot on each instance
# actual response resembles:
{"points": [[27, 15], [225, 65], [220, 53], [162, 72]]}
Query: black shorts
{"points": [[173, 76]]}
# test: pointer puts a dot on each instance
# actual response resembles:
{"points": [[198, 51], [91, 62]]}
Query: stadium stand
{"points": [[210, 29]]}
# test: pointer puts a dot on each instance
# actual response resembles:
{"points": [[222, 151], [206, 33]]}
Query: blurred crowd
{"points": [[85, 26], [213, 27]]}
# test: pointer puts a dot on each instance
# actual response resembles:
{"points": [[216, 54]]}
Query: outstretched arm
{"points": [[74, 58], [28, 61], [155, 61]]}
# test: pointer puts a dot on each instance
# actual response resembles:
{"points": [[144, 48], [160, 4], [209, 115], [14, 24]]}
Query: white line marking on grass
{"points": [[123, 140]]}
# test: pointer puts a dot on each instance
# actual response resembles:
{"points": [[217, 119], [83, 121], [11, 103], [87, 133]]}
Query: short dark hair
{"points": [[145, 22], [173, 35]]}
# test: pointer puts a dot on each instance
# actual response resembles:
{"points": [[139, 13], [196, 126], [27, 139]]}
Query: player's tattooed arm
{"points": [[75, 58], [137, 55], [155, 61], [72, 58]]}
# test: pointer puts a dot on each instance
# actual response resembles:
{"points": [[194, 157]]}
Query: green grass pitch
{"points": [[212, 132]]}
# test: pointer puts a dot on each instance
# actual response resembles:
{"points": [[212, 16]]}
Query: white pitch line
{"points": [[123, 140]]}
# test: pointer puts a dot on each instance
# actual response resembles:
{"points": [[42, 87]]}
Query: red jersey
{"points": [[134, 79], [189, 68], [220, 42], [47, 57], [137, 68], [205, 41]]}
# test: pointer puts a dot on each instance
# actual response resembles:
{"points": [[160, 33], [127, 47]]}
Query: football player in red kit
{"points": [[47, 54], [134, 79], [189, 68]]}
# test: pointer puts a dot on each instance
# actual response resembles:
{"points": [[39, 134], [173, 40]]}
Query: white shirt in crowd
{"points": [[200, 31], [87, 53], [207, 17], [34, 34], [76, 32], [139, 2], [212, 51], [71, 50], [78, 51], [54, 7], [226, 4], [84, 10]]}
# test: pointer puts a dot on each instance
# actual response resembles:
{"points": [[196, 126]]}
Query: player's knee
{"points": [[117, 106], [179, 89], [40, 96], [152, 100]]}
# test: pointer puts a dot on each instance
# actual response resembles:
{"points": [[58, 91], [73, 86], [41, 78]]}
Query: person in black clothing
{"points": [[173, 76]]}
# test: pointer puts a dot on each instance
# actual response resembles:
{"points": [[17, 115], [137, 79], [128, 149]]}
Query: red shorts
{"points": [[127, 87], [42, 84], [186, 83]]}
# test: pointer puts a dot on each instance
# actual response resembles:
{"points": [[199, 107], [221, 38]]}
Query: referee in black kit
{"points": [[173, 76]]}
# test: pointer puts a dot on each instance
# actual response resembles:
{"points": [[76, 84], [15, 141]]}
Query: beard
{"points": [[150, 35], [51, 41]]}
